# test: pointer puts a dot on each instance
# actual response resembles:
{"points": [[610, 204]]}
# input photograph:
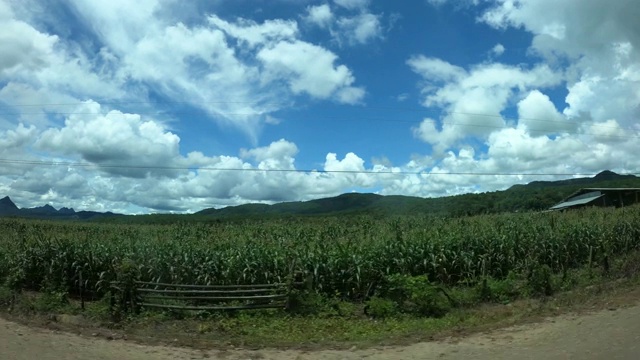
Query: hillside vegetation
{"points": [[535, 196]]}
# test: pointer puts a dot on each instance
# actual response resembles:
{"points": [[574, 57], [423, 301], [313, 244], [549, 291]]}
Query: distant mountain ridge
{"points": [[588, 181], [534, 196], [537, 195], [9, 208]]}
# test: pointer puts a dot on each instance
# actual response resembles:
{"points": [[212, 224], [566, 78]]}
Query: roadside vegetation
{"points": [[366, 280]]}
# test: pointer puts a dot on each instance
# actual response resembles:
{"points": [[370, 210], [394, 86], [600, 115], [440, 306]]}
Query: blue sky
{"points": [[144, 106]]}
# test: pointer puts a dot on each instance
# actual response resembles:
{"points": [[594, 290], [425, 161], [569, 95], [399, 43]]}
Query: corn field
{"points": [[344, 256]]}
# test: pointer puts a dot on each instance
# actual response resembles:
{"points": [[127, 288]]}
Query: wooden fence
{"points": [[206, 297]]}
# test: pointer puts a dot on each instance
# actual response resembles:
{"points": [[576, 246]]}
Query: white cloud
{"points": [[498, 50], [320, 15], [213, 66], [352, 29], [228, 67], [352, 4], [16, 139], [272, 120], [133, 164], [199, 181], [599, 40], [472, 101], [308, 69], [24, 48], [433, 69], [43, 60], [598, 129], [539, 115], [113, 138], [278, 155], [255, 34], [360, 29]]}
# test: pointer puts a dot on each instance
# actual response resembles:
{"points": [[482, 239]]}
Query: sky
{"points": [[156, 106]]}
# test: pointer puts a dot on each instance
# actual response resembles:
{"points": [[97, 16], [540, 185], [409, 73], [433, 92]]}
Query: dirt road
{"points": [[606, 335]]}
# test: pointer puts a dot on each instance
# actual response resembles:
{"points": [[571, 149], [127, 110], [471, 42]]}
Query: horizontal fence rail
{"points": [[206, 297], [213, 287]]}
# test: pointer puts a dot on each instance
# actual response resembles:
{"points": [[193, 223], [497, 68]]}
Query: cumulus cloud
{"points": [[539, 115], [239, 71], [320, 15], [102, 159], [352, 4], [472, 100], [114, 138], [498, 50], [110, 155], [360, 29], [308, 69], [600, 42], [219, 66], [596, 130], [42, 60], [347, 28], [254, 34]]}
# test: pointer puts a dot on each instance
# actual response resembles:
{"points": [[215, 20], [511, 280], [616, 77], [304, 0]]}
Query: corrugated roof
{"points": [[583, 191], [611, 189], [580, 201]]}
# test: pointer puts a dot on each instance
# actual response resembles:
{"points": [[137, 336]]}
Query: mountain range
{"points": [[9, 208], [535, 196]]}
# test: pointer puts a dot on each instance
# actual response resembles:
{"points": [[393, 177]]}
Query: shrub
{"points": [[306, 303], [539, 281], [378, 307], [501, 291], [415, 294]]}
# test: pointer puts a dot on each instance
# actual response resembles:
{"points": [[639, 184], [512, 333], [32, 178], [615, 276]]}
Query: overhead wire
{"points": [[354, 118], [208, 168]]}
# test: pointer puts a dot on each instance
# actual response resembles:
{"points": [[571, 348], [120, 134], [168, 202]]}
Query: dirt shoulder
{"points": [[613, 332]]}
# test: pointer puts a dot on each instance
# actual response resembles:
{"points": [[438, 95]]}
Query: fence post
{"points": [[134, 299], [81, 291], [309, 282], [112, 301]]}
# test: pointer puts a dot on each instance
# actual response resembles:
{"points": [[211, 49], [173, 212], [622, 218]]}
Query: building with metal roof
{"points": [[617, 197]]}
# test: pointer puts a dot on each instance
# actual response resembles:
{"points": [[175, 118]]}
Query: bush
{"points": [[50, 301], [306, 303], [6, 296], [502, 291], [415, 294], [380, 308], [539, 281]]}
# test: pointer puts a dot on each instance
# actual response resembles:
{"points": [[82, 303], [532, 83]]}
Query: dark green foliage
{"points": [[378, 307], [307, 303], [50, 302], [539, 281], [416, 295], [347, 258], [6, 296], [501, 291]]}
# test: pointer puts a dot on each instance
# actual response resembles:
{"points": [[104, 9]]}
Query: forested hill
{"points": [[537, 195], [8, 208]]}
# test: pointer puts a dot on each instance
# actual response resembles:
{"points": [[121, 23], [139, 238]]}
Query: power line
{"points": [[367, 172]]}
